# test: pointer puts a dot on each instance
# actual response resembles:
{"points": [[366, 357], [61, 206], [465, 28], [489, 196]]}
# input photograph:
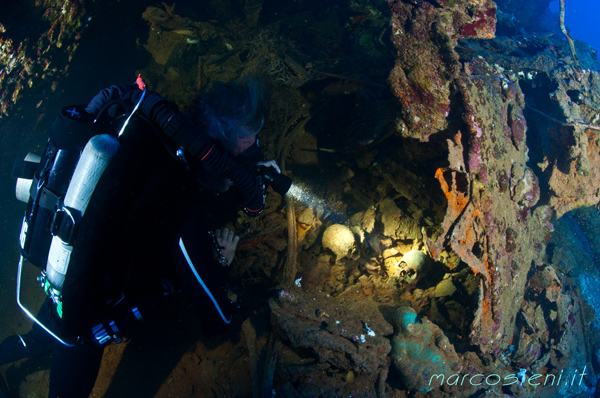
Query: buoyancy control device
{"points": [[58, 192]]}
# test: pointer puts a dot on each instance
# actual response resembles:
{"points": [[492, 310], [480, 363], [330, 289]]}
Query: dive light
{"points": [[279, 182]]}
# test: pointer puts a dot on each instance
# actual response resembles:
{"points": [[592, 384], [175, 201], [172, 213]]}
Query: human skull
{"points": [[413, 266], [339, 239]]}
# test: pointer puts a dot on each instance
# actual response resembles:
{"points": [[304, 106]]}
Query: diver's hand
{"points": [[227, 242], [270, 163]]}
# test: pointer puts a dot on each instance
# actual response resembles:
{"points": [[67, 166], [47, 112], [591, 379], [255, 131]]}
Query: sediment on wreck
{"points": [[496, 233], [513, 168], [483, 201]]}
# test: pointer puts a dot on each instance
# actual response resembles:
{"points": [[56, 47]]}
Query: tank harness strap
{"points": [[47, 199]]}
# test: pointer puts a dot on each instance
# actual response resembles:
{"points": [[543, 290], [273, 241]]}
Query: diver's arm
{"points": [[201, 148]]}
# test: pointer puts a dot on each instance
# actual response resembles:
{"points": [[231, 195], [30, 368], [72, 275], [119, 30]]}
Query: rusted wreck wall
{"points": [[493, 228], [498, 219], [425, 33]]}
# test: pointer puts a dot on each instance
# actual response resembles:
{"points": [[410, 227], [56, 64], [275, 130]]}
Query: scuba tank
{"points": [[46, 187], [24, 184], [91, 165], [49, 181], [58, 194]]}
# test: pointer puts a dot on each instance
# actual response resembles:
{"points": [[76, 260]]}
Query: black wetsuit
{"points": [[146, 224]]}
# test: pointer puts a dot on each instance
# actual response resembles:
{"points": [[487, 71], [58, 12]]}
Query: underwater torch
{"points": [[279, 182]]}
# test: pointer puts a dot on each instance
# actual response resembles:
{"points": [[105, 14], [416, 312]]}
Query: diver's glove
{"points": [[200, 148]]}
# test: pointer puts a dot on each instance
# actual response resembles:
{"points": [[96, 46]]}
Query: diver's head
{"points": [[234, 113]]}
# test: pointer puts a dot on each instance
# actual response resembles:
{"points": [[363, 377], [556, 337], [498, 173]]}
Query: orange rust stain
{"points": [[488, 265], [457, 201], [486, 306], [458, 138]]}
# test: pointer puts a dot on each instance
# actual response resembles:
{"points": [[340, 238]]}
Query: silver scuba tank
{"points": [[94, 159], [24, 184]]}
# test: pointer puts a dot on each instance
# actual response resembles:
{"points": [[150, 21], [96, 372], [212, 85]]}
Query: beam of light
{"points": [[301, 194]]}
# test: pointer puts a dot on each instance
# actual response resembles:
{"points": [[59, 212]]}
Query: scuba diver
{"points": [[124, 211]]}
